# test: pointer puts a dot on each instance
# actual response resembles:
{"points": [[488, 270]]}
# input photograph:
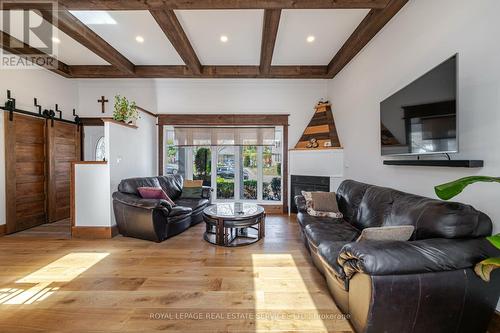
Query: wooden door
{"points": [[63, 147], [25, 172]]}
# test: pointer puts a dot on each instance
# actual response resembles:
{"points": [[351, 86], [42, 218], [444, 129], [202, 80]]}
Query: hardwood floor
{"points": [[56, 230], [181, 285]]}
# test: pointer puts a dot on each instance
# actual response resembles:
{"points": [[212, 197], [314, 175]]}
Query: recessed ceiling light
{"points": [[56, 40], [310, 39], [139, 39], [224, 38]]}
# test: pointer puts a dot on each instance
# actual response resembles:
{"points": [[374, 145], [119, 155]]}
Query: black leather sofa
{"points": [[426, 284], [156, 219]]}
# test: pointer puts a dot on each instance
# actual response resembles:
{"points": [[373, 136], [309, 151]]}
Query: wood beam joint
{"points": [[374, 21], [33, 55], [71, 26], [269, 34], [168, 22]]}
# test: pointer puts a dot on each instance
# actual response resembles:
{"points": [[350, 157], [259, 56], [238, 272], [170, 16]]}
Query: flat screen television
{"points": [[421, 118]]}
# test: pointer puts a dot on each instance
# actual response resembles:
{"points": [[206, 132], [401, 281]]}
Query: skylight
{"points": [[93, 17]]}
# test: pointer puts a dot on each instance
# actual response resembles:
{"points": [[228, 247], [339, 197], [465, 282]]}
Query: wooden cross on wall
{"points": [[102, 101]]}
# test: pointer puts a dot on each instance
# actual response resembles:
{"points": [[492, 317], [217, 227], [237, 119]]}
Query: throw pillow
{"points": [[191, 193], [154, 193], [325, 201], [397, 233], [193, 183], [311, 210], [192, 189]]}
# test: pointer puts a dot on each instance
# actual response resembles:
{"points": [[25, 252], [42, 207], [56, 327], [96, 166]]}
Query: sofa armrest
{"points": [[423, 256], [206, 192], [300, 202], [135, 201], [180, 210]]}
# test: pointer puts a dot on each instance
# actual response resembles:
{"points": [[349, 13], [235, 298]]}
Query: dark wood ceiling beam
{"points": [[286, 72], [71, 26], [15, 46], [297, 72], [269, 34], [374, 21], [218, 4], [170, 25]]}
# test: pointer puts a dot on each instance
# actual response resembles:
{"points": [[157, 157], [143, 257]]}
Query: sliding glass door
{"points": [[235, 172], [202, 164], [226, 166], [249, 172]]}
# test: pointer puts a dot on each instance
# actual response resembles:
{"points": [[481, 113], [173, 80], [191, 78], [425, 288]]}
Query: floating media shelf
{"points": [[438, 163]]}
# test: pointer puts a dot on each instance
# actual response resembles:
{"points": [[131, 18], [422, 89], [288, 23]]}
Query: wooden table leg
{"points": [[219, 236], [262, 226]]}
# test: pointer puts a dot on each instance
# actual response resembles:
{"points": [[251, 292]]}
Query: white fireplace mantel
{"points": [[321, 162]]}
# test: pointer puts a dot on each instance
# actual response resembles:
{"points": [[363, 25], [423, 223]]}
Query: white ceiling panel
{"points": [[330, 29], [67, 50], [121, 28], [243, 29]]}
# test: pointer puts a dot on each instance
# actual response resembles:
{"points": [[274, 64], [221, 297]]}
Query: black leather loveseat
{"points": [[156, 219], [426, 284]]}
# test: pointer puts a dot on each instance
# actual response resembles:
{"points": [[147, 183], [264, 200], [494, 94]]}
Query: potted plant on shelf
{"points": [[125, 111], [449, 190]]}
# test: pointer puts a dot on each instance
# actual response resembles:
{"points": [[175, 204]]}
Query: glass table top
{"points": [[233, 210]]}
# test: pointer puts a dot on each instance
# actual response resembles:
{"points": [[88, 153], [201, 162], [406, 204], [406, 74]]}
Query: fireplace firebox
{"points": [[306, 183]]}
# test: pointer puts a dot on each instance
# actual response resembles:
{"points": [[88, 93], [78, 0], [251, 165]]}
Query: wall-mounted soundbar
{"points": [[438, 163]]}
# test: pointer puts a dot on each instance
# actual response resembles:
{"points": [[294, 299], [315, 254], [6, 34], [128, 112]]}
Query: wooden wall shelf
{"points": [[438, 163], [118, 123]]}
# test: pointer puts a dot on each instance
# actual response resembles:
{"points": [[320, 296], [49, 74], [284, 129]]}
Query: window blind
{"points": [[223, 136]]}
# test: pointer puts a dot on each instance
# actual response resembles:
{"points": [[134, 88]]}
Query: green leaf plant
{"points": [[449, 190], [124, 110]]}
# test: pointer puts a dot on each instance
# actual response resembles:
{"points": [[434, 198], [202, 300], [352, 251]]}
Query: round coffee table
{"points": [[234, 223]]}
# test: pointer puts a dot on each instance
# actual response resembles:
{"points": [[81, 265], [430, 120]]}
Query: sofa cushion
{"points": [[305, 219], [349, 196], [393, 232], [375, 206], [180, 210], [311, 210], [437, 219], [191, 192], [130, 185], [431, 218], [172, 185], [194, 204], [329, 253], [154, 193], [325, 201], [318, 233]]}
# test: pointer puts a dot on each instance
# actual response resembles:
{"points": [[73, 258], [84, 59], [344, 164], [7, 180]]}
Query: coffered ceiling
{"points": [[205, 38]]}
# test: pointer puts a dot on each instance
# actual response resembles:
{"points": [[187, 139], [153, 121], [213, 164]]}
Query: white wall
{"points": [[142, 91], [48, 88], [194, 96], [131, 152], [421, 36], [92, 195]]}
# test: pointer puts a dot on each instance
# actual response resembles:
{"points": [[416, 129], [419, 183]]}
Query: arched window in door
{"points": [[100, 150]]}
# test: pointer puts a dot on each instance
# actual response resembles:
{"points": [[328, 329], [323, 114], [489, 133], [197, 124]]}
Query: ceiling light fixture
{"points": [[310, 39], [56, 40], [224, 38], [139, 39]]}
